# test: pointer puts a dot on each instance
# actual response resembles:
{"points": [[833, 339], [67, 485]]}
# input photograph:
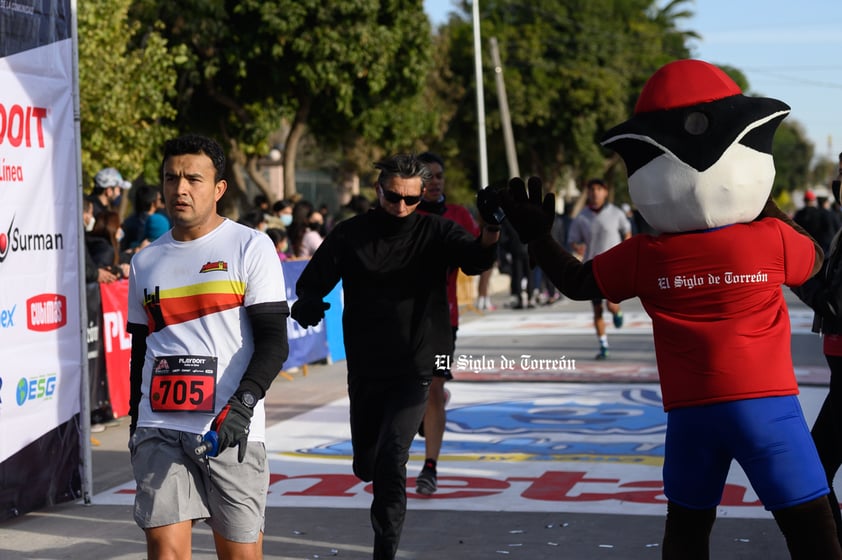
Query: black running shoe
{"points": [[426, 483]]}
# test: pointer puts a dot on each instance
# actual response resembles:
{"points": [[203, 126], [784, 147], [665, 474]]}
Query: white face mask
{"points": [[286, 219], [89, 226]]}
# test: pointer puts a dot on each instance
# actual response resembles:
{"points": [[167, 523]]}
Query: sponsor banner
{"points": [[40, 353], [116, 344], [333, 323], [305, 345], [560, 447]]}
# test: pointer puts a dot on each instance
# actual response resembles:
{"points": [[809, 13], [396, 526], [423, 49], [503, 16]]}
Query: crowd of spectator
{"points": [[297, 227]]}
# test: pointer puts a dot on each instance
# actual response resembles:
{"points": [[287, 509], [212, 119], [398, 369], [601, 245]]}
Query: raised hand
{"points": [[488, 205], [529, 215]]}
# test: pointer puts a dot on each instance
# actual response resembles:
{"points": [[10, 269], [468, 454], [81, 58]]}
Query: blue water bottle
{"points": [[209, 445]]}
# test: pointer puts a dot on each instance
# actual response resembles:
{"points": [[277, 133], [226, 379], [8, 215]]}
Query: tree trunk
{"points": [[296, 131], [253, 170]]}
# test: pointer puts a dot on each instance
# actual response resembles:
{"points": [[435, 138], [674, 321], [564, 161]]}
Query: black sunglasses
{"points": [[395, 198]]}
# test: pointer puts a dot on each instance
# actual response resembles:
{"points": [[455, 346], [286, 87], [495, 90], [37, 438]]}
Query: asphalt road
{"points": [[104, 531]]}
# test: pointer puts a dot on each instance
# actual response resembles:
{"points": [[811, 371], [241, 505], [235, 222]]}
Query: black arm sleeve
{"points": [[322, 271], [812, 292], [485, 260], [573, 278], [139, 333], [466, 251], [271, 347]]}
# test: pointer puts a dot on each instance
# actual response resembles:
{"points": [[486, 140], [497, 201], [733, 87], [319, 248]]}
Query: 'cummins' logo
{"points": [[14, 240], [46, 312]]}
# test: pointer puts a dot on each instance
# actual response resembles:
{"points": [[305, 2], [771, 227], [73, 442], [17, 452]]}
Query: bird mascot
{"points": [[699, 159]]}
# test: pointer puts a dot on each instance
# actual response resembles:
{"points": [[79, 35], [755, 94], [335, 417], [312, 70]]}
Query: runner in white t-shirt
{"points": [[207, 313]]}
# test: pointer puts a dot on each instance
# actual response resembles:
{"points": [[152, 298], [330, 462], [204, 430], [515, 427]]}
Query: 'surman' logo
{"points": [[218, 266], [14, 240]]}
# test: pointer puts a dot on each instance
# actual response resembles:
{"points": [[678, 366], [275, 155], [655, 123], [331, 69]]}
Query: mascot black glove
{"points": [[530, 217], [232, 425], [488, 204], [309, 311]]}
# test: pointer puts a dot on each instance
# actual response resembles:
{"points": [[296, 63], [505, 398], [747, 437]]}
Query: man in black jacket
{"points": [[393, 265]]}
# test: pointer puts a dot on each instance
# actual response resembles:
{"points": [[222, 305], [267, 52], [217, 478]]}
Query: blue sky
{"points": [[788, 49]]}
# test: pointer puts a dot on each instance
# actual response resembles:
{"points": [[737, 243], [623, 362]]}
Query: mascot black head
{"points": [[698, 152]]}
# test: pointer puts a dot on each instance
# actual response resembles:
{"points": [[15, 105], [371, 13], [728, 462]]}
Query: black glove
{"points": [[528, 215], [232, 426], [309, 311], [488, 204]]}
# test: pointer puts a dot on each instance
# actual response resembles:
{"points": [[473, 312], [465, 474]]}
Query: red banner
{"points": [[117, 344]]}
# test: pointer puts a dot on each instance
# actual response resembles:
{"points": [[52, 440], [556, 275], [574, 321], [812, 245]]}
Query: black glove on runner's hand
{"points": [[309, 311], [232, 426], [530, 217], [488, 205]]}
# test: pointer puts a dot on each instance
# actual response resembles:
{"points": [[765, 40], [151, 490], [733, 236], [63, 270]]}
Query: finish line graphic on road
{"points": [[550, 447]]}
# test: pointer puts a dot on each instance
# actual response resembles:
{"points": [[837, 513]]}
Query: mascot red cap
{"points": [[698, 152], [683, 83]]}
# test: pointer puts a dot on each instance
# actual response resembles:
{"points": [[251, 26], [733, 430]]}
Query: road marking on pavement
{"points": [[554, 323], [550, 447]]}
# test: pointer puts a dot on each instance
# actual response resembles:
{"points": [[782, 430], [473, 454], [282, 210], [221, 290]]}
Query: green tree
{"points": [[126, 88], [572, 68], [823, 171], [345, 71], [792, 152]]}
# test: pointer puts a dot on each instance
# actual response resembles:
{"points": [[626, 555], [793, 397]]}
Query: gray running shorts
{"points": [[174, 484]]}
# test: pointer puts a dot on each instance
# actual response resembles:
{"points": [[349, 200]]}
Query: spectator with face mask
{"points": [[282, 210]]}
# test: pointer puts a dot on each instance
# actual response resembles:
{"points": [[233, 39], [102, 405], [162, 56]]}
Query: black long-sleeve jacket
{"points": [[394, 280], [823, 292]]}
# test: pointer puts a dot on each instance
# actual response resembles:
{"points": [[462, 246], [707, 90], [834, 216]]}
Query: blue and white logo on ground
{"points": [[542, 447]]}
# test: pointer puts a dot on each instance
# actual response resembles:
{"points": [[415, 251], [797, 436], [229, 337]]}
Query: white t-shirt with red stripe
{"points": [[193, 296]]}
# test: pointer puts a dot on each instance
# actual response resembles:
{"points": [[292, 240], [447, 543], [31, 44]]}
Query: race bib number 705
{"points": [[183, 384]]}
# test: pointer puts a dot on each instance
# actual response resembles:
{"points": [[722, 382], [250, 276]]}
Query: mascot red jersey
{"points": [[699, 159]]}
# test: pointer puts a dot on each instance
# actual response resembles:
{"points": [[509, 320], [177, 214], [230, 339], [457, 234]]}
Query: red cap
{"points": [[683, 83], [809, 196]]}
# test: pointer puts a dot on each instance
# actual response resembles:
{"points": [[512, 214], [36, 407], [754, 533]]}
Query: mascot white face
{"points": [[698, 152]]}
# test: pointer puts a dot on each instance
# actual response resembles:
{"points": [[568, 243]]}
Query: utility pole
{"points": [[483, 151], [505, 118]]}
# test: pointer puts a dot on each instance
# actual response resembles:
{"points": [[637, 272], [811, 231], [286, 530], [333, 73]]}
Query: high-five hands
{"points": [[529, 215]]}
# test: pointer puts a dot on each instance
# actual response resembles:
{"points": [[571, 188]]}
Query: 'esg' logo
{"points": [[42, 387]]}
